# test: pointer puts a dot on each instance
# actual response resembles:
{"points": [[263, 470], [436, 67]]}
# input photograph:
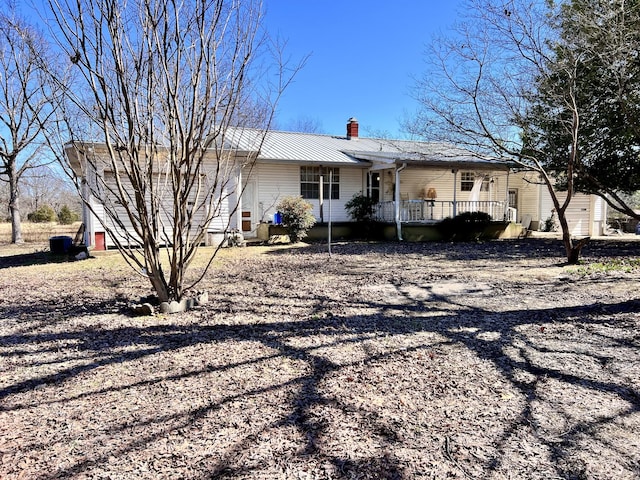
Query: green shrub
{"points": [[465, 227], [66, 216], [297, 217], [550, 224], [360, 208], [42, 214]]}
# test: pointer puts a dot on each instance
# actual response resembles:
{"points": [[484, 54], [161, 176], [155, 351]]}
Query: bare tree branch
{"points": [[160, 86]]}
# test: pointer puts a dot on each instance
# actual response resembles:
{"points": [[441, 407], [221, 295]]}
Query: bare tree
{"points": [[305, 124], [47, 185], [25, 108], [162, 87], [480, 91]]}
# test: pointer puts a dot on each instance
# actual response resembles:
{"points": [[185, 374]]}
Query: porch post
{"points": [[397, 201], [506, 203], [455, 183]]}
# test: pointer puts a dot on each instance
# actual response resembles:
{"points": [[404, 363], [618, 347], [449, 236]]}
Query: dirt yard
{"points": [[385, 361]]}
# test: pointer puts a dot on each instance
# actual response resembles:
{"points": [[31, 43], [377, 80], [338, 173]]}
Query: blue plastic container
{"points": [[277, 218]]}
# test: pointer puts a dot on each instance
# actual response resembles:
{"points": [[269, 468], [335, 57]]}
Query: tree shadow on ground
{"points": [[101, 344], [511, 342], [35, 258], [506, 250]]}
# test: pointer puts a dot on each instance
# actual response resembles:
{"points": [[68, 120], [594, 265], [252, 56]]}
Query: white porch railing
{"points": [[433, 210]]}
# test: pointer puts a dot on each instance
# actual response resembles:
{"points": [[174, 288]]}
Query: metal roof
{"points": [[310, 148]]}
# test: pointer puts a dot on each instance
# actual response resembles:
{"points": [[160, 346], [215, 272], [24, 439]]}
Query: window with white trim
{"points": [[468, 179], [310, 182]]}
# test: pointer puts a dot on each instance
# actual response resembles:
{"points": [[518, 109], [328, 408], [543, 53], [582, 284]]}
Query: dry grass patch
{"points": [[384, 361], [37, 232]]}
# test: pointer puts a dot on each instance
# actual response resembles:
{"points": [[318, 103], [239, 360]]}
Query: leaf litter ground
{"points": [[394, 361]]}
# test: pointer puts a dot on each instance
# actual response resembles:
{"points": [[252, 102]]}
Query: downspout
{"points": [[397, 201], [541, 188], [87, 217], [89, 236], [239, 192], [321, 195]]}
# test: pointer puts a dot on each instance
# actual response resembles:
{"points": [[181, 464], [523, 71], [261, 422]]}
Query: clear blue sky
{"points": [[363, 54], [362, 57]]}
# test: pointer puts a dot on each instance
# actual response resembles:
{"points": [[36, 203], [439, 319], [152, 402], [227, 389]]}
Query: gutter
{"points": [[397, 201]]}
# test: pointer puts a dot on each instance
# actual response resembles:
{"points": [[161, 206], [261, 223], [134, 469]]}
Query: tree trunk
{"points": [[572, 249], [160, 286], [14, 206], [573, 254]]}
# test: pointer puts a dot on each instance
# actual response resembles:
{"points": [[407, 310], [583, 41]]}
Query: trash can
{"points": [[277, 218], [60, 244]]}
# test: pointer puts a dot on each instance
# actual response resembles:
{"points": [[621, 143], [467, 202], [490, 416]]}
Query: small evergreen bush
{"points": [[360, 208], [297, 217], [66, 216], [550, 224], [42, 214], [465, 227]]}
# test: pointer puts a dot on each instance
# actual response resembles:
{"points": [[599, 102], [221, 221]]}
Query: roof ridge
{"points": [[338, 137]]}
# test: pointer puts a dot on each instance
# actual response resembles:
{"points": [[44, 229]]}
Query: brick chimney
{"points": [[352, 128]]}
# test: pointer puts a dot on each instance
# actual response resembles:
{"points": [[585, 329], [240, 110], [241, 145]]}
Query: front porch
{"points": [[433, 211]]}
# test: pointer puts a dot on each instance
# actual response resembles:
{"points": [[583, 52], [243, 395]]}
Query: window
{"points": [[310, 182], [468, 179], [373, 185]]}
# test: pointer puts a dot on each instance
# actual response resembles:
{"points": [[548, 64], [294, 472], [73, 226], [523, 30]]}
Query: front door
{"points": [[248, 206], [513, 198], [373, 185]]}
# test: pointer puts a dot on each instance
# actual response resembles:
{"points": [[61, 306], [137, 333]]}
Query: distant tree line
{"points": [[43, 189]]}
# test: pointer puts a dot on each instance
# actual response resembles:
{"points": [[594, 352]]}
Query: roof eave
{"points": [[354, 164], [456, 164]]}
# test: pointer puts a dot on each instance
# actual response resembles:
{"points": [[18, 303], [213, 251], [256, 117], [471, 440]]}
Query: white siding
{"points": [[350, 184], [528, 196], [225, 169], [599, 215], [219, 223], [275, 181], [578, 213], [414, 180], [586, 214]]}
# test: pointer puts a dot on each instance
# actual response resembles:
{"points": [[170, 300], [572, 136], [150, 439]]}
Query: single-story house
{"points": [[413, 182]]}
